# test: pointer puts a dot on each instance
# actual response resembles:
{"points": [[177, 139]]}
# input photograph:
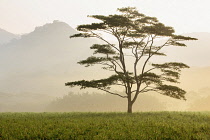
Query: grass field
{"points": [[99, 126]]}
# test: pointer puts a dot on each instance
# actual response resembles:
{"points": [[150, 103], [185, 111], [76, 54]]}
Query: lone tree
{"points": [[136, 35]]}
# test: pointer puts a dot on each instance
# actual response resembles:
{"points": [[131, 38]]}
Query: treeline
{"points": [[95, 102]]}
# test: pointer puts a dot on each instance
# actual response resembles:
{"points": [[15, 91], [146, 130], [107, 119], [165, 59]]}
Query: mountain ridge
{"points": [[6, 37], [39, 58]]}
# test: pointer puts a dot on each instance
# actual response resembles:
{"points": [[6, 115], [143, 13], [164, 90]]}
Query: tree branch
{"points": [[99, 37], [112, 93]]}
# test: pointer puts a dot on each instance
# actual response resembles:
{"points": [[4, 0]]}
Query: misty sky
{"points": [[22, 16]]}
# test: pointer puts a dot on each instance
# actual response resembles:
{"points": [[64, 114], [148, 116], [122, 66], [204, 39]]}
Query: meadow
{"points": [[105, 126]]}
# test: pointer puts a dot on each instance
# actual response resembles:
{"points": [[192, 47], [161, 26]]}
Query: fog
{"points": [[36, 66]]}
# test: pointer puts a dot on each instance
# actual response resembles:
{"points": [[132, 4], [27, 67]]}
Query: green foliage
{"points": [[175, 43], [130, 44], [171, 73], [93, 60], [95, 83], [172, 91], [150, 78], [158, 29], [103, 49], [85, 35], [93, 26], [111, 21], [133, 13], [105, 126], [153, 53], [180, 37], [172, 66]]}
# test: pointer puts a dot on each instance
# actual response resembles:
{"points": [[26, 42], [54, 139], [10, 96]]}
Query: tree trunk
{"points": [[130, 104]]}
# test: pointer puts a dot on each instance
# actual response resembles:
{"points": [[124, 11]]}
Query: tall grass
{"points": [[104, 126]]}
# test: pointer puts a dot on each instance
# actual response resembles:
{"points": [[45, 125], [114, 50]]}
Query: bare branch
{"points": [[112, 93], [99, 37], [149, 70]]}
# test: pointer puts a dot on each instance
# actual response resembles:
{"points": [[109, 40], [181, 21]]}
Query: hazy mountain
{"points": [[6, 37], [43, 60]]}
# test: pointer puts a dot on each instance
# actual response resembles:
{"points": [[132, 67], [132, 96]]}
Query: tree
{"points": [[136, 35]]}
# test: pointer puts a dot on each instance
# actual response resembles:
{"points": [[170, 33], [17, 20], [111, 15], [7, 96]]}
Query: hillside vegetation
{"points": [[97, 102]]}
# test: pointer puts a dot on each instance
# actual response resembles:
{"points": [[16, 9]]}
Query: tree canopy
{"points": [[136, 35]]}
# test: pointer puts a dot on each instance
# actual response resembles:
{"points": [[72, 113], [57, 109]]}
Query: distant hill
{"points": [[43, 60], [6, 37]]}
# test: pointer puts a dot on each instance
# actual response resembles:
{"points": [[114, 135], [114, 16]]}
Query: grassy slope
{"points": [[143, 126]]}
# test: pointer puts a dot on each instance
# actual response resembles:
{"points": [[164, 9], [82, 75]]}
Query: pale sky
{"points": [[22, 16]]}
